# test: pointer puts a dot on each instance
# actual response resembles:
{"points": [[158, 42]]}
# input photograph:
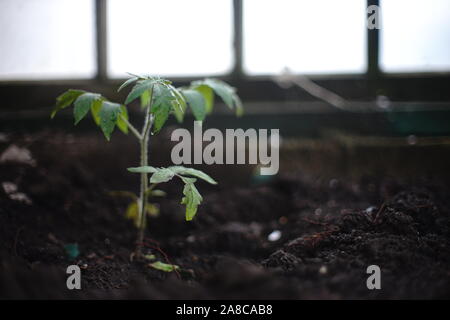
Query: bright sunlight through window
{"points": [[308, 37], [47, 39], [169, 38], [415, 36]]}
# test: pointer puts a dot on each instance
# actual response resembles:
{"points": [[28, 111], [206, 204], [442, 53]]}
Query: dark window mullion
{"points": [[237, 38], [373, 47], [101, 16]]}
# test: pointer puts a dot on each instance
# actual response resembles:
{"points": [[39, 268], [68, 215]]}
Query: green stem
{"points": [[144, 177], [131, 127]]}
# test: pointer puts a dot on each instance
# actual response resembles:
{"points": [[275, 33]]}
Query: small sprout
{"points": [[192, 197], [159, 99], [158, 265], [149, 257]]}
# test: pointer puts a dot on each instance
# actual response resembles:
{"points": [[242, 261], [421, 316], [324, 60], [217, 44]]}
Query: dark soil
{"points": [[338, 212]]}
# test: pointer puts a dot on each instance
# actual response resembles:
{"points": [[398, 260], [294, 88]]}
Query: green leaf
{"points": [[145, 98], [163, 100], [152, 210], [222, 89], [132, 213], [95, 111], [146, 169], [83, 103], [158, 193], [192, 172], [179, 104], [162, 175], [65, 100], [163, 95], [121, 123], [161, 114], [187, 180], [108, 117], [191, 199], [196, 102], [239, 106], [158, 265], [140, 87], [175, 170], [134, 75], [208, 95], [128, 82], [178, 111]]}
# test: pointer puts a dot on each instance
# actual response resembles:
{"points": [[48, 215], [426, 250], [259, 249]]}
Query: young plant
{"points": [[159, 98]]}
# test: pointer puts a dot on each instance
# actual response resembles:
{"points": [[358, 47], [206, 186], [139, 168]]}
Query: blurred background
{"points": [[395, 80], [313, 69]]}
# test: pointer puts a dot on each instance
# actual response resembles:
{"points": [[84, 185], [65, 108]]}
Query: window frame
{"points": [[398, 86]]}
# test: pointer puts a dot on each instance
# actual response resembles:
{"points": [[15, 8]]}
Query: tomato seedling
{"points": [[158, 98]]}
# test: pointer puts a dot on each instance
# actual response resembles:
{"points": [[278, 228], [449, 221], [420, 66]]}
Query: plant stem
{"points": [[131, 127], [144, 178]]}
